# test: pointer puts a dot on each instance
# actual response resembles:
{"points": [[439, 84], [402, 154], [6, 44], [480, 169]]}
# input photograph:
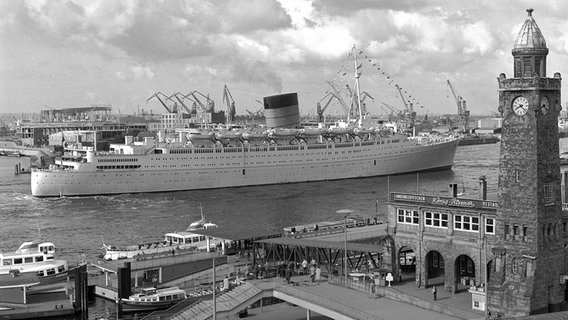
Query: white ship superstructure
{"points": [[205, 163], [286, 153]]}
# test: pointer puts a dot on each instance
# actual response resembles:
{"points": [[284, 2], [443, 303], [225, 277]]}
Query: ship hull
{"points": [[243, 166]]}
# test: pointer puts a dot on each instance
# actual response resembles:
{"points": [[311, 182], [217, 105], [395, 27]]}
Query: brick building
{"points": [[514, 249]]}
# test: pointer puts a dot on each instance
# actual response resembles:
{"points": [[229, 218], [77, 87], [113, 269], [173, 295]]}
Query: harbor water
{"points": [[79, 225]]}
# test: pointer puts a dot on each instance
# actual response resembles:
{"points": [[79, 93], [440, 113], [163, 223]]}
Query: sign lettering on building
{"points": [[444, 201]]}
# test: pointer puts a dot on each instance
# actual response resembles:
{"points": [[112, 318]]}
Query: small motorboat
{"points": [[153, 299]]}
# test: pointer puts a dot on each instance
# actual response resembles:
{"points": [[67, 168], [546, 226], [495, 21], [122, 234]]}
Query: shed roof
{"points": [[236, 234], [304, 242]]}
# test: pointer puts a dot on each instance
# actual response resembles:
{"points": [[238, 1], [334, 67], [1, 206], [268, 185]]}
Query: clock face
{"points": [[544, 105], [520, 105]]}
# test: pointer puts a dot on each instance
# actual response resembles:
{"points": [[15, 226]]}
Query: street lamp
{"points": [[345, 213], [214, 295]]}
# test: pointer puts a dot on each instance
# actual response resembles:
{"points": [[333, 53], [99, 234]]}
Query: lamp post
{"points": [[345, 213], [345, 249], [214, 295]]}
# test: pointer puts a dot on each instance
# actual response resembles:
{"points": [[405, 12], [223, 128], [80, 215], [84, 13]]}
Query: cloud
{"points": [[256, 72], [478, 39]]}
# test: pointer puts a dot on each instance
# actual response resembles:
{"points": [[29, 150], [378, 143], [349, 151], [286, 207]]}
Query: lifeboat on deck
{"points": [[336, 131], [312, 132], [283, 133], [363, 131], [232, 135], [247, 135]]}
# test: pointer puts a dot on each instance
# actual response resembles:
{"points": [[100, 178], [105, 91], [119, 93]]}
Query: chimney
{"points": [[453, 190], [482, 188]]}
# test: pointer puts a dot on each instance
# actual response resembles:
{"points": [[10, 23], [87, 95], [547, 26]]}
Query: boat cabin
{"points": [[184, 238], [155, 295], [33, 257]]}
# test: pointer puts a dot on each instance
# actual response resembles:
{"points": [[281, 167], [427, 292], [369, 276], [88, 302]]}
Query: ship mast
{"points": [[357, 89]]}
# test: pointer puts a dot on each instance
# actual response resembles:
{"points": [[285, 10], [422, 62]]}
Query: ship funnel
{"points": [[282, 111]]}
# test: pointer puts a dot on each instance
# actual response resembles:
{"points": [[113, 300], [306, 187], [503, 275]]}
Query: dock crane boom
{"points": [[157, 96], [408, 106], [394, 111], [319, 108], [210, 104], [176, 95], [365, 95], [462, 108], [339, 98], [228, 99]]}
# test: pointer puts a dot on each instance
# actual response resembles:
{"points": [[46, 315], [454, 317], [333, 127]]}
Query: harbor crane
{"points": [[394, 111], [411, 114], [176, 95], [157, 95], [365, 95], [321, 110], [462, 108], [210, 107], [228, 99], [337, 95]]}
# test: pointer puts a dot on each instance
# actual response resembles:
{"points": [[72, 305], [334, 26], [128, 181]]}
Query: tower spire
{"points": [[529, 50]]}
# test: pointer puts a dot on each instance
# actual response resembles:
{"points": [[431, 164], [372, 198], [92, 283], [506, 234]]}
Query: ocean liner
{"points": [[284, 153], [217, 160]]}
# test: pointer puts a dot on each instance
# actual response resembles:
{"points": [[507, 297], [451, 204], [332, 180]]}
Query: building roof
{"points": [[530, 36], [310, 242], [236, 234]]}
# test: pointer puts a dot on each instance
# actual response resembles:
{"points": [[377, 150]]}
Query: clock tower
{"points": [[527, 268]]}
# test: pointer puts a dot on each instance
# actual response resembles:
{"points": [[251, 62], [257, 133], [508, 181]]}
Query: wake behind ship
{"points": [[219, 159]]}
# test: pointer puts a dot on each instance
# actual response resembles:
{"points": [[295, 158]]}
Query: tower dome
{"points": [[529, 50]]}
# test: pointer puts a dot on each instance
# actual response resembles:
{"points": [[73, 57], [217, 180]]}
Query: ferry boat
{"points": [[32, 256], [172, 241], [153, 299], [281, 154]]}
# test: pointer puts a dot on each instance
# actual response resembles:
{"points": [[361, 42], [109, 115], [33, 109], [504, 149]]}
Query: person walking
{"points": [[312, 273], [287, 274], [373, 291], [318, 274], [434, 292], [226, 284], [304, 266]]}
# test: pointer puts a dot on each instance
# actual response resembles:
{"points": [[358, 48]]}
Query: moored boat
{"points": [[33, 257], [172, 242], [153, 299]]}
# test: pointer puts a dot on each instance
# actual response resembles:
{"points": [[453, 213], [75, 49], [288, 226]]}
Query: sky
{"points": [[71, 53]]}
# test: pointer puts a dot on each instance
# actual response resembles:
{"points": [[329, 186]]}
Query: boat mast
{"points": [[358, 90]]}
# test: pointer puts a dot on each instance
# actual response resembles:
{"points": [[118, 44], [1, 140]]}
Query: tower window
{"points": [[518, 72], [548, 193], [489, 225]]}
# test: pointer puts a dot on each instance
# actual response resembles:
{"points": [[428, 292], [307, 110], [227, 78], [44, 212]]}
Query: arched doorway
{"points": [[434, 268], [464, 270], [407, 264]]}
